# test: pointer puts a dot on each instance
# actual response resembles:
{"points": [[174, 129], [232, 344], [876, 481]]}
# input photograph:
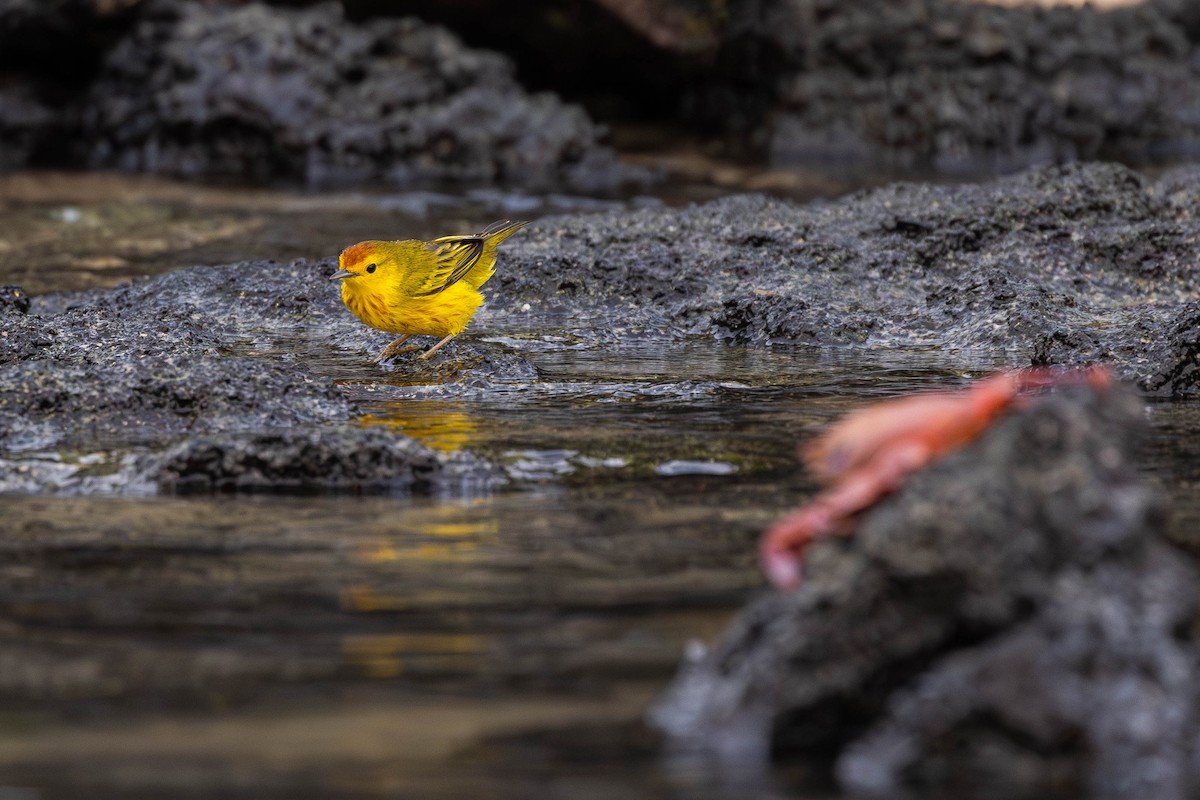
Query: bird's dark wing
{"points": [[456, 256]]}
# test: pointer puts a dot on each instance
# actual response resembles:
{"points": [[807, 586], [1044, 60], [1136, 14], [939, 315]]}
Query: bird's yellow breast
{"points": [[442, 314]]}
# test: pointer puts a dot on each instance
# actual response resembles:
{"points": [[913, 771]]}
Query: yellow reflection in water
{"points": [[427, 542], [442, 426], [479, 528], [388, 655], [365, 599], [451, 542]]}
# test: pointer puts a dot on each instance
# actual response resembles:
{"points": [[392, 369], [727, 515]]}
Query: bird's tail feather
{"points": [[499, 231]]}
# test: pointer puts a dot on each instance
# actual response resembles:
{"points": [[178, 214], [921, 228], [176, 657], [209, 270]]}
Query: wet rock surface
{"points": [[195, 89], [151, 361], [1057, 265], [1009, 618], [217, 363], [361, 460]]}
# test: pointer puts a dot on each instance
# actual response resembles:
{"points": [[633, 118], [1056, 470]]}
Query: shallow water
{"points": [[475, 642], [487, 642]]}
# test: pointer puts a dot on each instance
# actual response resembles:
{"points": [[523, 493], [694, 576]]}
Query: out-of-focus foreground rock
{"points": [[1010, 618]]}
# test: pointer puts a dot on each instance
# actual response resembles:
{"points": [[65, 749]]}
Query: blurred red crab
{"points": [[868, 454]]}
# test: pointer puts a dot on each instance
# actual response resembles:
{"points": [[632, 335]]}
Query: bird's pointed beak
{"points": [[342, 273]]}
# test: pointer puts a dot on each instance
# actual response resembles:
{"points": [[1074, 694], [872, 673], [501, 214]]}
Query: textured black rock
{"points": [[1008, 618], [1062, 264], [142, 366], [960, 86], [202, 88], [1059, 265], [199, 89], [221, 364], [14, 298], [362, 460], [266, 92]]}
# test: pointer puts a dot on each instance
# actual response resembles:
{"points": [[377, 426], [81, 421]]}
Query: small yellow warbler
{"points": [[420, 288]]}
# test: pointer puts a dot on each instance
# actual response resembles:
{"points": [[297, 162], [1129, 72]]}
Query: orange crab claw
{"points": [[779, 554], [870, 452]]}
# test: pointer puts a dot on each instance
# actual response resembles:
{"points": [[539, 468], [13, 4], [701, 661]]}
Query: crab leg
{"points": [[868, 453]]}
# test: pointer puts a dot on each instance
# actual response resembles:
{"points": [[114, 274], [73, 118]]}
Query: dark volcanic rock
{"points": [[14, 298], [1059, 265], [932, 83], [364, 459], [1008, 618], [196, 88], [143, 366], [1063, 264], [227, 359], [960, 86], [256, 91]]}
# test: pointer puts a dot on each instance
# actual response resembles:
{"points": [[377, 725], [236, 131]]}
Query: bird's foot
{"points": [[426, 355], [390, 351]]}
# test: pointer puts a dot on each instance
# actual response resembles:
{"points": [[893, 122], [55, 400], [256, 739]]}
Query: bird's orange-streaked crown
{"points": [[355, 254]]}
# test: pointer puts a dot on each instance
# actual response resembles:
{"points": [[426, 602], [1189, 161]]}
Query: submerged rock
{"points": [[1061, 264], [368, 460], [1009, 618]]}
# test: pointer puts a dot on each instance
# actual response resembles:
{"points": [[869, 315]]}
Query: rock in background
{"points": [[202, 89], [47, 50], [951, 85], [971, 86], [268, 91]]}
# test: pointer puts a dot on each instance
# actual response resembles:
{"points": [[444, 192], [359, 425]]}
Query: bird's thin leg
{"points": [[434, 349], [395, 349]]}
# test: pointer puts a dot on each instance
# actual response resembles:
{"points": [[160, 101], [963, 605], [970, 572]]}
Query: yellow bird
{"points": [[417, 288]]}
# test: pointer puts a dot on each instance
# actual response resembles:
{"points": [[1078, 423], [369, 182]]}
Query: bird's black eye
{"points": [[370, 267]]}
